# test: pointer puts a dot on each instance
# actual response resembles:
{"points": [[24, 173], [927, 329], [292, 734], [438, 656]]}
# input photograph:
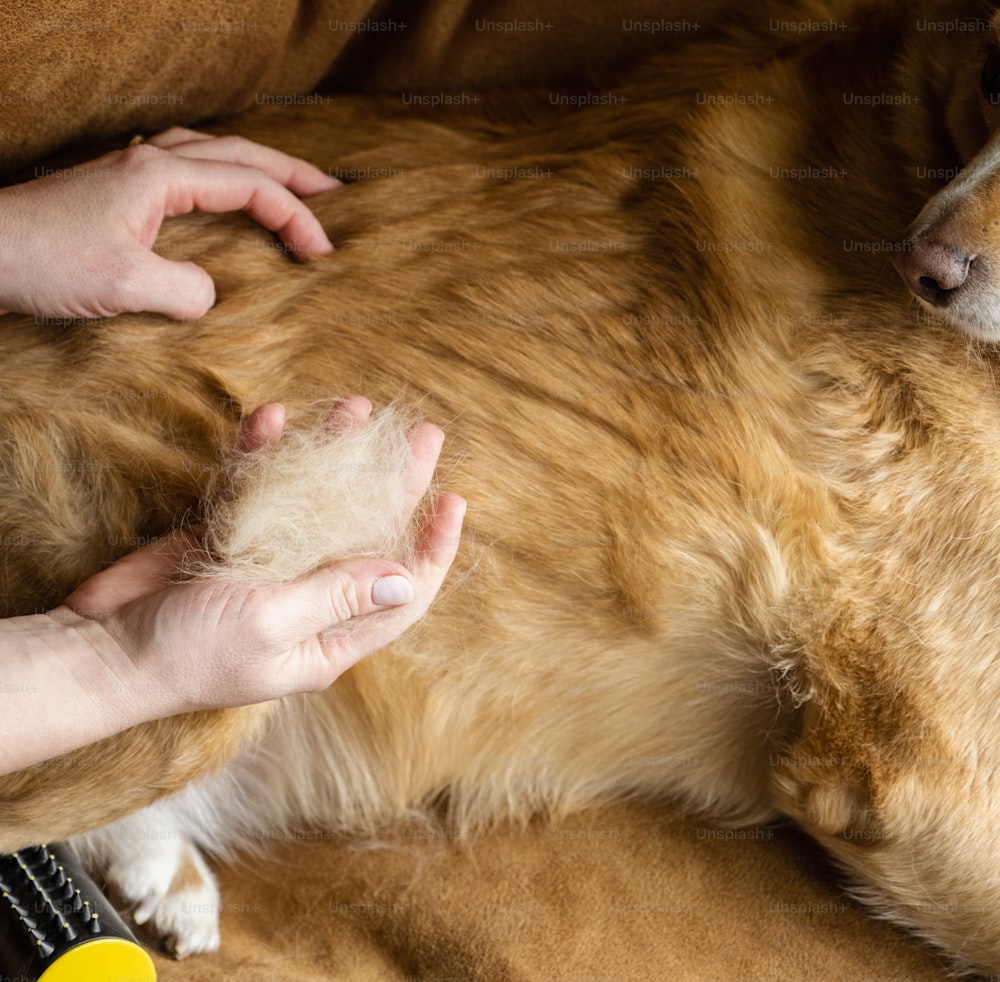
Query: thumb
{"points": [[334, 595], [181, 290]]}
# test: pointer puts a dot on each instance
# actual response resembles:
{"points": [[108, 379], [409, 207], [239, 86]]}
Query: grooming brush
{"points": [[57, 926]]}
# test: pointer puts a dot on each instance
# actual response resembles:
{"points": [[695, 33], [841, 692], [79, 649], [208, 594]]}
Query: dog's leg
{"points": [[158, 877], [55, 799]]}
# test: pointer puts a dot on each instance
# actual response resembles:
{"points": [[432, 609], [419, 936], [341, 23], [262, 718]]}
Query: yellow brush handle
{"points": [[102, 960]]}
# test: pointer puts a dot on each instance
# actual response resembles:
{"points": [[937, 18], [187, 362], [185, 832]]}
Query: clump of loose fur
{"points": [[331, 490]]}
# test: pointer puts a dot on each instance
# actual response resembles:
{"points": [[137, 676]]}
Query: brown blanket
{"points": [[631, 893], [634, 892], [78, 71]]}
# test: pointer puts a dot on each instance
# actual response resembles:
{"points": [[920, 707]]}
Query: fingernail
{"points": [[390, 591]]}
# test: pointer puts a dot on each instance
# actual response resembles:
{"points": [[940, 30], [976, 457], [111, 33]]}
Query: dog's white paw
{"points": [[171, 894]]}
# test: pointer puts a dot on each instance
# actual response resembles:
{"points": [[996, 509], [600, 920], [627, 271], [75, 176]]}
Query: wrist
{"points": [[65, 683], [107, 674]]}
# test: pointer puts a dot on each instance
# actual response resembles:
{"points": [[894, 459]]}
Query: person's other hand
{"points": [[78, 243]]}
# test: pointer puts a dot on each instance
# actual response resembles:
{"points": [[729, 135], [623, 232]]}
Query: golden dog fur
{"points": [[734, 499]]}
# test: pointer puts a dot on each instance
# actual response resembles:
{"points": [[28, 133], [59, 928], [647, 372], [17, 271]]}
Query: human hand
{"points": [[78, 243], [198, 644]]}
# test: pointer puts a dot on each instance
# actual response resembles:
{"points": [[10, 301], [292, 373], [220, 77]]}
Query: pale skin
{"points": [[78, 244], [134, 643]]}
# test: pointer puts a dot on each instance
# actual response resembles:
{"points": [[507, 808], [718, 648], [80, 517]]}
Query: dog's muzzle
{"points": [[934, 271]]}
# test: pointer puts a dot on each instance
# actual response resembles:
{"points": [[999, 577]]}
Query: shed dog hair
{"points": [[328, 491], [734, 496]]}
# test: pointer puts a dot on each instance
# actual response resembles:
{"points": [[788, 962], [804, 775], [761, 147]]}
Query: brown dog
{"points": [[734, 503]]}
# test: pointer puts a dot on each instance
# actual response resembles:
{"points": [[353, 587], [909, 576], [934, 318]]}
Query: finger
{"points": [[296, 174], [141, 572], [348, 414], [177, 134], [426, 441], [335, 595], [181, 290], [262, 428], [440, 531], [214, 186]]}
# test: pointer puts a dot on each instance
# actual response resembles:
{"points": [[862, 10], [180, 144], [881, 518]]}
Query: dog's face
{"points": [[950, 257]]}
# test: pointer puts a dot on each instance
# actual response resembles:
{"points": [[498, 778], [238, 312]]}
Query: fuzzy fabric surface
{"points": [[86, 72], [627, 894]]}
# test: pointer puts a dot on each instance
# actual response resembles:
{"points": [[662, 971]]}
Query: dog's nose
{"points": [[933, 271]]}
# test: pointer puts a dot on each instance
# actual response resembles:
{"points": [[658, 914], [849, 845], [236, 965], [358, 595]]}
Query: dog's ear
{"points": [[828, 791]]}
